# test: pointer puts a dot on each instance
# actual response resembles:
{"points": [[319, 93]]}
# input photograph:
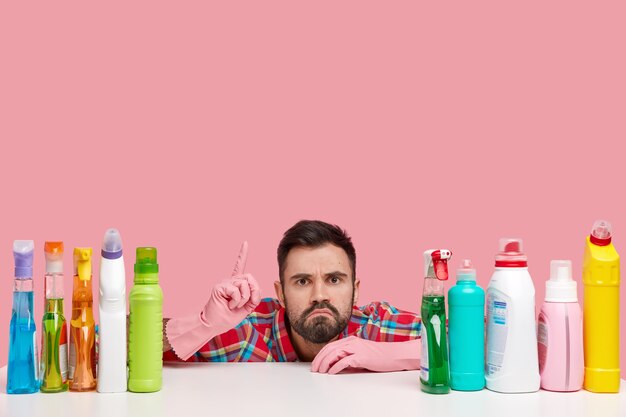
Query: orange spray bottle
{"points": [[82, 326]]}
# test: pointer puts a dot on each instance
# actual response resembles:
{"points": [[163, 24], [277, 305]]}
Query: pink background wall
{"points": [[412, 124]]}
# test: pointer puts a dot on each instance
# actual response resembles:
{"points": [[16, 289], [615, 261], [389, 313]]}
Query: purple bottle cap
{"points": [[23, 253], [112, 244]]}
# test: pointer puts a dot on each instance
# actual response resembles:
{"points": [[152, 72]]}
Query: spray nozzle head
{"points": [[511, 253], [112, 244], [82, 263], [53, 252], [561, 287], [601, 233], [466, 272], [23, 254], [436, 263]]}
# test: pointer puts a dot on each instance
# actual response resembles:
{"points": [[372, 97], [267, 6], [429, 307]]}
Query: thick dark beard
{"points": [[320, 329]]}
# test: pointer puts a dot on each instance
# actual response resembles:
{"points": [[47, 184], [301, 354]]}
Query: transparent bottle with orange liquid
{"points": [[82, 326]]}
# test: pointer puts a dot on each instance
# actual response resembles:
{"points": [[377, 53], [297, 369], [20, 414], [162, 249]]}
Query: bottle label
{"points": [[35, 355], [497, 330], [63, 353], [542, 340], [72, 359], [424, 358], [42, 362]]}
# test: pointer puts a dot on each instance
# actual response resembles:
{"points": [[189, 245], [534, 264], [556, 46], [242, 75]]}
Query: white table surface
{"points": [[290, 389]]}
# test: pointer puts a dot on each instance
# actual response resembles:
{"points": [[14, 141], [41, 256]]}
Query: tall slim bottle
{"points": [[82, 326], [54, 344], [601, 279], [434, 368], [22, 372], [145, 336], [112, 307]]}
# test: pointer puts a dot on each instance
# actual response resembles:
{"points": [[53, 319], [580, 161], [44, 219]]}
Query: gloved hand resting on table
{"points": [[356, 353], [230, 302]]}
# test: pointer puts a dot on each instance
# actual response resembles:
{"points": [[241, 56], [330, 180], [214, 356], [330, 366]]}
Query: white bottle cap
{"points": [[561, 288], [466, 271]]}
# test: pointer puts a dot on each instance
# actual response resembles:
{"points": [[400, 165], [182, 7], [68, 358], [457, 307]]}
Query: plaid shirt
{"points": [[263, 337]]}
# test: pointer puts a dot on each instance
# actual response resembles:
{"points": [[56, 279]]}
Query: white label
{"points": [[497, 330], [42, 362], [63, 361], [436, 322], [542, 341], [72, 361], [35, 355], [424, 359]]}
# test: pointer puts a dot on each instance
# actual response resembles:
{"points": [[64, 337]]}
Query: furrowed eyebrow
{"points": [[299, 276], [336, 274]]}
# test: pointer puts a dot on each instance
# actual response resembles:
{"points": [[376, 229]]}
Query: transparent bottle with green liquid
{"points": [[434, 367], [54, 363], [145, 330]]}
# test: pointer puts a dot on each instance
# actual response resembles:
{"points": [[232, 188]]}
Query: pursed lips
{"points": [[321, 311]]}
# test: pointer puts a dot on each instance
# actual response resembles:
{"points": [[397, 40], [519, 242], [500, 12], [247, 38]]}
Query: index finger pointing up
{"points": [[240, 266]]}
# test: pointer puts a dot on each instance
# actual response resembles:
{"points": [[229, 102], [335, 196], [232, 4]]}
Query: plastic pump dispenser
{"points": [[434, 369], [82, 363], [54, 364], [23, 367]]}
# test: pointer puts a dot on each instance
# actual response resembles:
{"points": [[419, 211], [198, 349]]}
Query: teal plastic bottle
{"points": [[466, 301], [145, 329], [434, 368]]}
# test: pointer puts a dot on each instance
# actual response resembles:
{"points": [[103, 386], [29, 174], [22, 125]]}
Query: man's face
{"points": [[318, 292]]}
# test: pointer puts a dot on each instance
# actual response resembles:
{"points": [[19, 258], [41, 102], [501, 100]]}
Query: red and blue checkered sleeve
{"points": [[247, 342], [381, 322]]}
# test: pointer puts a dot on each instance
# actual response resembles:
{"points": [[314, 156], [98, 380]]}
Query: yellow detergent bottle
{"points": [[601, 311]]}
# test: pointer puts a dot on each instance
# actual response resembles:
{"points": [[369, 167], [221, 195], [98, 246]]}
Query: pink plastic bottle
{"points": [[560, 332]]}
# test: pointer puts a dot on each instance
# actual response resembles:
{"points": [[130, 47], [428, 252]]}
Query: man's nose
{"points": [[320, 292]]}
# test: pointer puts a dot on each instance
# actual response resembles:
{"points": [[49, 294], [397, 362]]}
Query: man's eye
{"points": [[334, 280], [301, 281]]}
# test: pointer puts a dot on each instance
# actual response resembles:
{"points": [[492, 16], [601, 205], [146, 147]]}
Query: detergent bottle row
{"points": [[75, 367]]}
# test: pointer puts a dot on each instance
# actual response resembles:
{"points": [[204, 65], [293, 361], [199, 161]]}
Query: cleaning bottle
{"points": [[22, 372], [466, 301], [54, 347], [434, 369], [82, 326], [560, 332], [112, 308], [512, 363], [145, 336], [601, 281]]}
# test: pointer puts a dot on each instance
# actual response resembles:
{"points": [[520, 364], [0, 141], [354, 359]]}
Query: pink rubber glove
{"points": [[231, 301], [354, 352]]}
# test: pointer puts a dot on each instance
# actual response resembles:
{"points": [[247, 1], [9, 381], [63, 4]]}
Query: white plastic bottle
{"points": [[512, 363], [112, 307]]}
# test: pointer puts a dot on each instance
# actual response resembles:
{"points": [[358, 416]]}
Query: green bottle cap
{"points": [[146, 263]]}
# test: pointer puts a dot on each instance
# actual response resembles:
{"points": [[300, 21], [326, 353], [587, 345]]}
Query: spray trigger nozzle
{"points": [[438, 260]]}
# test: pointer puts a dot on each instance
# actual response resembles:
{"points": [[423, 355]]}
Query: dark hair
{"points": [[315, 233]]}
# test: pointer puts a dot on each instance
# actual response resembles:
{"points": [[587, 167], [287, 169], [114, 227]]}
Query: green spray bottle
{"points": [[434, 368], [145, 330]]}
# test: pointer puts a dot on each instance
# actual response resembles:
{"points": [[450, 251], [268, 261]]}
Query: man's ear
{"points": [[357, 283], [279, 293]]}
